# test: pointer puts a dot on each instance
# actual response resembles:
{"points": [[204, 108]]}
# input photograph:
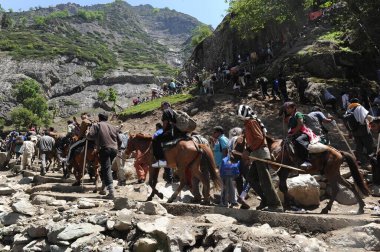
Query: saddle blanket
{"points": [[315, 148]]}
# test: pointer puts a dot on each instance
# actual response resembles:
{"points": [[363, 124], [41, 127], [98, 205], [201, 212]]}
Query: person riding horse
{"points": [[81, 137], [301, 135], [170, 132]]}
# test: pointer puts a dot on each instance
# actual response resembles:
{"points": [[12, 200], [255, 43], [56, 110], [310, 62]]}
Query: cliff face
{"points": [[340, 48], [74, 51]]}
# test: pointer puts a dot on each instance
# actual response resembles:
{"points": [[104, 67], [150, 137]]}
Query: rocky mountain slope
{"points": [[75, 51], [339, 50]]}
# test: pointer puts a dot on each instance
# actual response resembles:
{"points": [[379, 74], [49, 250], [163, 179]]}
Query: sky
{"points": [[210, 12]]}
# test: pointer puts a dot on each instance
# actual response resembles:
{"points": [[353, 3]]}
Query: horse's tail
{"points": [[212, 166], [357, 176]]}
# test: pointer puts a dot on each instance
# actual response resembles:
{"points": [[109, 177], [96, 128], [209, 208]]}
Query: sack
{"points": [[184, 122], [350, 120], [228, 168]]}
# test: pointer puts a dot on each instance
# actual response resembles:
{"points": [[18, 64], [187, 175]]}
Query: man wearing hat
{"points": [[360, 129], [220, 146], [107, 138], [256, 146]]}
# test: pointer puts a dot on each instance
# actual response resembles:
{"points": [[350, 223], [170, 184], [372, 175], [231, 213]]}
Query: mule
{"points": [[186, 154], [327, 163]]}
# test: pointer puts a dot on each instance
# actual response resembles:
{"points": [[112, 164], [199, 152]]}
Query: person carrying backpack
{"points": [[356, 120]]}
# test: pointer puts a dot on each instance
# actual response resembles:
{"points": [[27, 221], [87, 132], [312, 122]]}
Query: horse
{"points": [[92, 163], [327, 162], [186, 154]]}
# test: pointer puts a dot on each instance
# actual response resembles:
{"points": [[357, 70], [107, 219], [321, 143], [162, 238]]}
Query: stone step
{"points": [[69, 196], [51, 178], [62, 188], [305, 222]]}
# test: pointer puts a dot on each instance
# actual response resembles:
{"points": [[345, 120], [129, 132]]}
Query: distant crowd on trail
{"points": [[165, 89]]}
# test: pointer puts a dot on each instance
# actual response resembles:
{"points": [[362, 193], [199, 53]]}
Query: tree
{"points": [[34, 107], [200, 33], [102, 96], [112, 96], [250, 16], [23, 117], [26, 89]]}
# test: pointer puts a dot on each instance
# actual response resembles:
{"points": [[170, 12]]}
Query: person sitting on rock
{"points": [[170, 132]]}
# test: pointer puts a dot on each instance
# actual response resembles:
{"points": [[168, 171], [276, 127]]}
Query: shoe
{"points": [[109, 196], [159, 164], [278, 209], [261, 206], [102, 192], [305, 164], [234, 205], [140, 181]]}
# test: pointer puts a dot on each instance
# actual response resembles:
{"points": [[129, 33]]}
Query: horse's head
{"points": [[138, 142]]}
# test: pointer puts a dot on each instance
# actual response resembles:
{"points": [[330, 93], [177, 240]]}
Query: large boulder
{"points": [[304, 189]]}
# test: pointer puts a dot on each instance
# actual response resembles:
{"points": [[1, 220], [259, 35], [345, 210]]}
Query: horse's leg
{"points": [[334, 191], [350, 186], [179, 189], [196, 178], [153, 176], [283, 176]]}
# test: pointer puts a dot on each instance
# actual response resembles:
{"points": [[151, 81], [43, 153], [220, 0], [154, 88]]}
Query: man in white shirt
{"points": [[361, 133], [28, 148]]}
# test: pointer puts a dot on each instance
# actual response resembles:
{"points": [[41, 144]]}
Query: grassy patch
{"points": [[149, 106], [333, 36]]}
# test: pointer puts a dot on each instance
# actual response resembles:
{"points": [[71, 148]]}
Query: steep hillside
{"points": [[74, 51], [339, 49]]}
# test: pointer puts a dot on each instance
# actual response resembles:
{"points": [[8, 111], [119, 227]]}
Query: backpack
{"points": [[228, 168], [184, 122], [350, 121]]}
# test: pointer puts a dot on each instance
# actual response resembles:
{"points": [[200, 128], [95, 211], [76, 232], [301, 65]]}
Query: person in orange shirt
{"points": [[256, 146]]}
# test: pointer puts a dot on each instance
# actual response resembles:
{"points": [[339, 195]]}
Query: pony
{"points": [[92, 163], [327, 163], [186, 154]]}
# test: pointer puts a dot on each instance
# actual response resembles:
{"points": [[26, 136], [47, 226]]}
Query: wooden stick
{"points": [[378, 143], [84, 161], [269, 162], [341, 134]]}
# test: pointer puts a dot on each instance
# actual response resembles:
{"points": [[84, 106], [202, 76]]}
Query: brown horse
{"points": [[327, 163], [92, 163], [184, 155]]}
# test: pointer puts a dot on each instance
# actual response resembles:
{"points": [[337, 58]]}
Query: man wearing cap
{"points": [[256, 146], [107, 138], [220, 145], [362, 135]]}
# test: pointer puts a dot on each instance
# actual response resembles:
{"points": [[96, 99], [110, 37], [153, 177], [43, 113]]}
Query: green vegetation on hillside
{"points": [[39, 44], [149, 106], [33, 107], [200, 33]]}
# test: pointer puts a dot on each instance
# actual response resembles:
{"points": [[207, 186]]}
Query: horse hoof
{"points": [[324, 211], [170, 200], [149, 199], [160, 195], [95, 191], [77, 183], [360, 211]]}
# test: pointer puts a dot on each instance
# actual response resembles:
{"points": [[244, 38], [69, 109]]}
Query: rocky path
{"points": [[48, 214]]}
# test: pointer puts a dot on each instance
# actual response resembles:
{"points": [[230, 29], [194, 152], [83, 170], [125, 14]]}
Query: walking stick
{"points": [[340, 132], [269, 162], [84, 161], [378, 143]]}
